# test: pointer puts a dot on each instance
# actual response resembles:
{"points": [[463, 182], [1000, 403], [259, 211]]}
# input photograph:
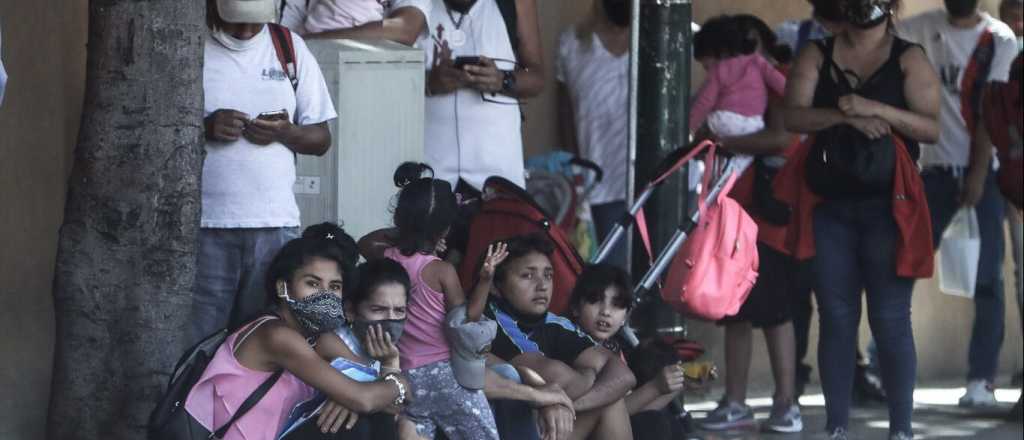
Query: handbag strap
{"points": [[250, 402]]}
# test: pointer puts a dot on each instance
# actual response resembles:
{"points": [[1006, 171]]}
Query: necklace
{"points": [[457, 38]]}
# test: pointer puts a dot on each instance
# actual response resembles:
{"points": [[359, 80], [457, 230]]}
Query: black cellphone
{"points": [[279, 115], [461, 62]]}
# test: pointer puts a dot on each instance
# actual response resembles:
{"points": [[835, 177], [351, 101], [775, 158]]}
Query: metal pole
{"points": [[662, 69], [634, 63]]}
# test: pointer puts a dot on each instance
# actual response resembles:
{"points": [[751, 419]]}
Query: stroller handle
{"points": [[590, 165]]}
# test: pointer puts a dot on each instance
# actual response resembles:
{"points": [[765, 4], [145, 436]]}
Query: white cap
{"points": [[247, 11]]}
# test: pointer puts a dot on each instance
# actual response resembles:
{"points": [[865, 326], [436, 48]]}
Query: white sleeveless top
{"points": [[466, 136]]}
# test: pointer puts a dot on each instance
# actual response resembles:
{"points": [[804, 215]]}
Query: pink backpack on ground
{"points": [[711, 276]]}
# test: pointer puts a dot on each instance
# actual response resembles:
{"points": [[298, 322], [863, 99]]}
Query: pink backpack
{"points": [[716, 267]]}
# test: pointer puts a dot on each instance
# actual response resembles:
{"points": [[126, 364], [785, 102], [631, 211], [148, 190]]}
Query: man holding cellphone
{"points": [[256, 123], [473, 121]]}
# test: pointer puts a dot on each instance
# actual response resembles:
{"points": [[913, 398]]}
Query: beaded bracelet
{"points": [[392, 377]]}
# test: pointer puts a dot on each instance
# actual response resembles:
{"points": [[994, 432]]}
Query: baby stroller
{"points": [[507, 211], [561, 183]]}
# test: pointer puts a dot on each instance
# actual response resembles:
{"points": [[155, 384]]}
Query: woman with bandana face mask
{"points": [[304, 282], [361, 350], [882, 70]]}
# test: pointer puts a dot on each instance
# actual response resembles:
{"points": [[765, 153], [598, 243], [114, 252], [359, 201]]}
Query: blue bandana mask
{"points": [[318, 313]]}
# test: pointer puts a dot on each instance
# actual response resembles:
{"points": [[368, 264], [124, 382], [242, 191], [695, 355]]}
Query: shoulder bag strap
{"points": [[250, 402], [285, 49]]}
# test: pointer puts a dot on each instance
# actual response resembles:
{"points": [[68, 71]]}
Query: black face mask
{"points": [[961, 8], [617, 11], [393, 327], [868, 17]]}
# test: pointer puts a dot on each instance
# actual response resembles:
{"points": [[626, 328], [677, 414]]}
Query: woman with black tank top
{"points": [[877, 86]]}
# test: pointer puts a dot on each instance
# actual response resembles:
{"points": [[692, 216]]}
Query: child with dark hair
{"points": [[735, 94], [306, 279], [423, 216], [529, 336], [600, 305], [362, 351]]}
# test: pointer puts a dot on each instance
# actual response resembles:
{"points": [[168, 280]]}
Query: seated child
{"points": [[600, 305], [529, 336], [423, 216], [362, 351]]}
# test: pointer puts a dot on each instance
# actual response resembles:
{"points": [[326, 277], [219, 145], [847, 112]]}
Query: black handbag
{"points": [[843, 162], [170, 421]]}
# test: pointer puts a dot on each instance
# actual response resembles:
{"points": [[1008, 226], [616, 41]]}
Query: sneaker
{"points": [[729, 415], [787, 421], [979, 394], [839, 434], [901, 436]]}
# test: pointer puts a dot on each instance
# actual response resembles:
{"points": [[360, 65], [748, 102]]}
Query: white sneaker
{"points": [[979, 393]]}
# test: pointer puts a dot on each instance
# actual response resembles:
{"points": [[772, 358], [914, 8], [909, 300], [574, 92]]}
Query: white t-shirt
{"points": [[598, 85], [313, 16], [465, 135], [949, 49], [247, 185]]}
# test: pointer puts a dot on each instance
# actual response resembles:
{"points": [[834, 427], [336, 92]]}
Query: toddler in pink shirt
{"points": [[424, 213], [734, 95]]}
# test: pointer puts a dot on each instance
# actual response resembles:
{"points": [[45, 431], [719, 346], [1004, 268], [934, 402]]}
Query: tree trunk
{"points": [[127, 253]]}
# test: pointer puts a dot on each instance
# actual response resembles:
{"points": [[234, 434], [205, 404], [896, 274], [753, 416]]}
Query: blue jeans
{"points": [[230, 278], [942, 187], [855, 245], [514, 418], [606, 215]]}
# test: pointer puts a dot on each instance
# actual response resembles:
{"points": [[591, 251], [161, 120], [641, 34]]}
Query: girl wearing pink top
{"points": [[304, 284], [423, 215], [734, 95]]}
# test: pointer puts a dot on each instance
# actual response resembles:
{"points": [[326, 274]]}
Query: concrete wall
{"points": [[44, 53]]}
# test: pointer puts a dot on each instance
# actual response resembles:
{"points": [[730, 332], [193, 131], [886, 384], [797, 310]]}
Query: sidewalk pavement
{"points": [[936, 416]]}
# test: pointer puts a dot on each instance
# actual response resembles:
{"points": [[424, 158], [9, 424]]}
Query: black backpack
{"points": [[170, 421]]}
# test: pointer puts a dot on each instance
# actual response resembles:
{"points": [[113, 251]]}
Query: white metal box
{"points": [[377, 88]]}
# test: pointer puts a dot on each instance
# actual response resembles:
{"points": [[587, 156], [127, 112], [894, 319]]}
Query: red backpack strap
{"points": [[975, 76], [285, 48]]}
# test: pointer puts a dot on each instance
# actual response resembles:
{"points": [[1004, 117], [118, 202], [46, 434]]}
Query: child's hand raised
{"points": [[380, 347], [496, 253]]}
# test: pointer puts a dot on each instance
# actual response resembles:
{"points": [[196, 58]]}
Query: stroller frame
{"points": [[672, 163]]}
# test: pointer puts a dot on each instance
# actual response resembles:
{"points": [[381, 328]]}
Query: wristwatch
{"points": [[508, 82]]}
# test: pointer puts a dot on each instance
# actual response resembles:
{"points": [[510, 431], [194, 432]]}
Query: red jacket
{"points": [[914, 252]]}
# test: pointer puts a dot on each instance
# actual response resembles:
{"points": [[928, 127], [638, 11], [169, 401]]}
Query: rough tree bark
{"points": [[127, 253]]}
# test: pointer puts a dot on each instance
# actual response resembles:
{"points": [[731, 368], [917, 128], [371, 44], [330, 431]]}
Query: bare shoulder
{"points": [[279, 340]]}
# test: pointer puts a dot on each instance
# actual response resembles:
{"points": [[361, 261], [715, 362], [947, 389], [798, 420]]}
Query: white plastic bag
{"points": [[959, 254]]}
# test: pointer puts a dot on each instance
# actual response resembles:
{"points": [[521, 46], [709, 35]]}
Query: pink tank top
{"points": [[423, 340], [226, 384]]}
